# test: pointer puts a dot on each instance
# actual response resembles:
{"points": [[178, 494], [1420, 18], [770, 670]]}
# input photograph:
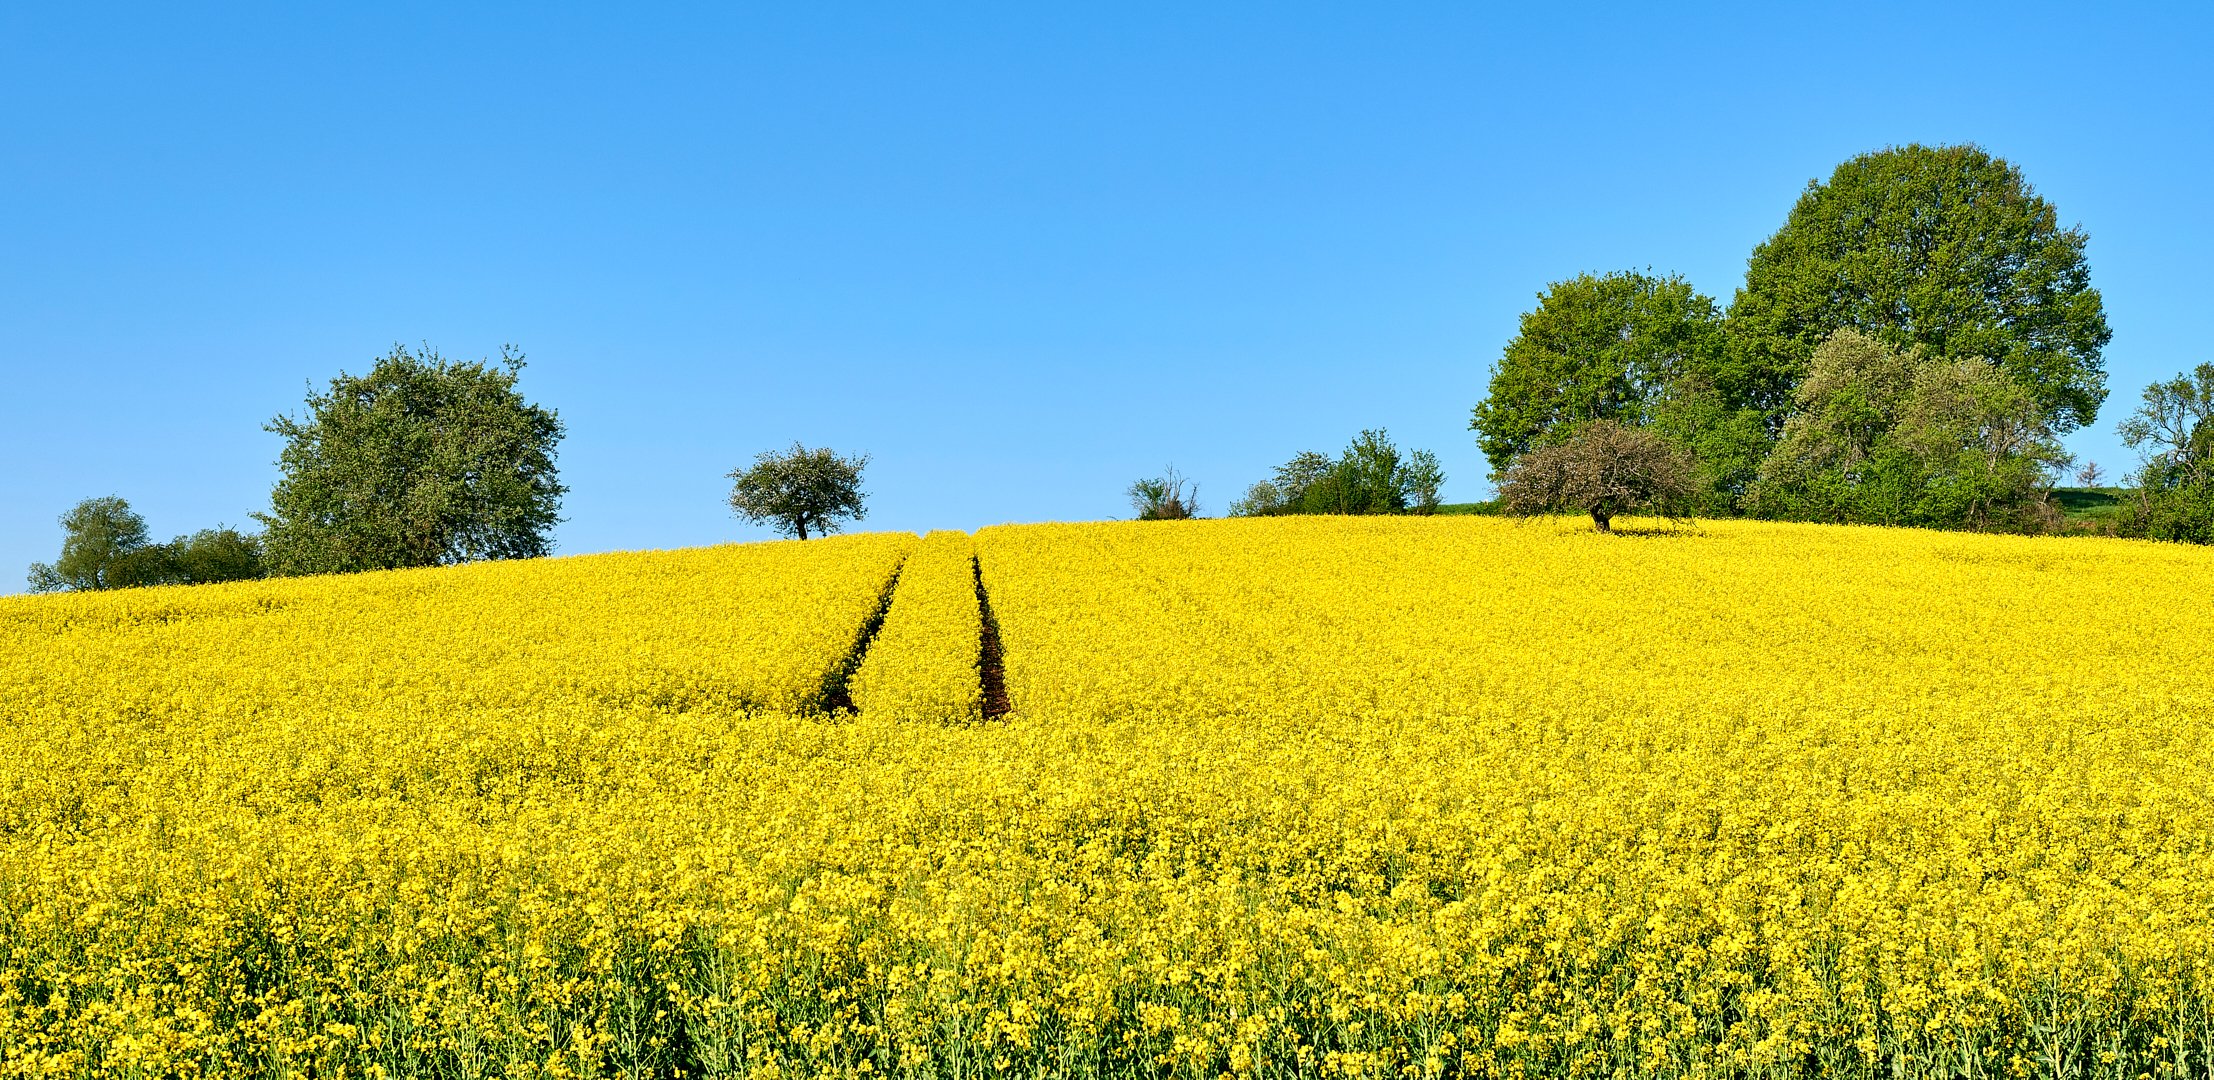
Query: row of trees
{"points": [[1909, 348], [105, 545], [1372, 476], [421, 462]]}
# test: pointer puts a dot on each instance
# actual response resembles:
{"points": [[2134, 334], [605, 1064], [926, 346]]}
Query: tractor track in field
{"points": [[837, 695], [991, 667]]}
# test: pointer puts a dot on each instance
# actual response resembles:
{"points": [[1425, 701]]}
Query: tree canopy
{"points": [[1945, 248], [1899, 437], [2173, 428], [104, 546], [1605, 469], [421, 462], [2173, 431], [1597, 347], [218, 554], [800, 492]]}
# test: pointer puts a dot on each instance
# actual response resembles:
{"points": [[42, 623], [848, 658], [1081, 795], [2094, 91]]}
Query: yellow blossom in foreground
{"points": [[922, 664], [1287, 797]]}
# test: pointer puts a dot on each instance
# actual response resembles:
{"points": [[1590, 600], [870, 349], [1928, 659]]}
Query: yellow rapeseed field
{"points": [[922, 664], [1284, 797]]}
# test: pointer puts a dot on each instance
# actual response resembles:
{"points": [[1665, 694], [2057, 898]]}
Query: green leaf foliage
{"points": [[212, 555], [1943, 248], [1633, 349], [1897, 437], [105, 546], [420, 462], [2180, 511], [1599, 347], [1372, 476], [1727, 443], [2173, 428]]}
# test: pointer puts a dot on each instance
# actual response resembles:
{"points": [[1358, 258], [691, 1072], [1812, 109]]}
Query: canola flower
{"points": [[1288, 797], [922, 665]]}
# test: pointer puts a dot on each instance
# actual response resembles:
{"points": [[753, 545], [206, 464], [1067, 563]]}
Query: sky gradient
{"points": [[1021, 255]]}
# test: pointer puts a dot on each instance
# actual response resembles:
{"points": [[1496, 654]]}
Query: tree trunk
{"points": [[1603, 522], [802, 525]]}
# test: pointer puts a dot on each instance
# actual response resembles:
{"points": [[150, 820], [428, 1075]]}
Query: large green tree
{"points": [[1634, 349], [421, 462], [1945, 248], [1597, 347]]}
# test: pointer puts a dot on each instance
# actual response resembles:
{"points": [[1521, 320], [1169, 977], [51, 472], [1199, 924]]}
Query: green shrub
{"points": [[1889, 436], [2174, 429], [1371, 477]]}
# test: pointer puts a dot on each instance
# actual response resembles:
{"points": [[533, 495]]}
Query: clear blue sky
{"points": [[1020, 254]]}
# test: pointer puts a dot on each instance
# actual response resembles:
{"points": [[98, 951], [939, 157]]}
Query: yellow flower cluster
{"points": [[922, 664], [1753, 797], [740, 627], [1285, 797], [232, 817]]}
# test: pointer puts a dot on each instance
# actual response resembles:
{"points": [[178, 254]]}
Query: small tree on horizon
{"points": [[799, 490], [2173, 428], [1167, 497], [1604, 469]]}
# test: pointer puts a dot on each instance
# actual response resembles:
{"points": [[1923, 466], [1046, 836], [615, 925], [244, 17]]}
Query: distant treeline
{"points": [[106, 546], [1372, 476]]}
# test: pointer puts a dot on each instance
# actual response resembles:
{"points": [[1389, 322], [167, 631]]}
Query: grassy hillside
{"points": [[1490, 507], [2090, 504]]}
